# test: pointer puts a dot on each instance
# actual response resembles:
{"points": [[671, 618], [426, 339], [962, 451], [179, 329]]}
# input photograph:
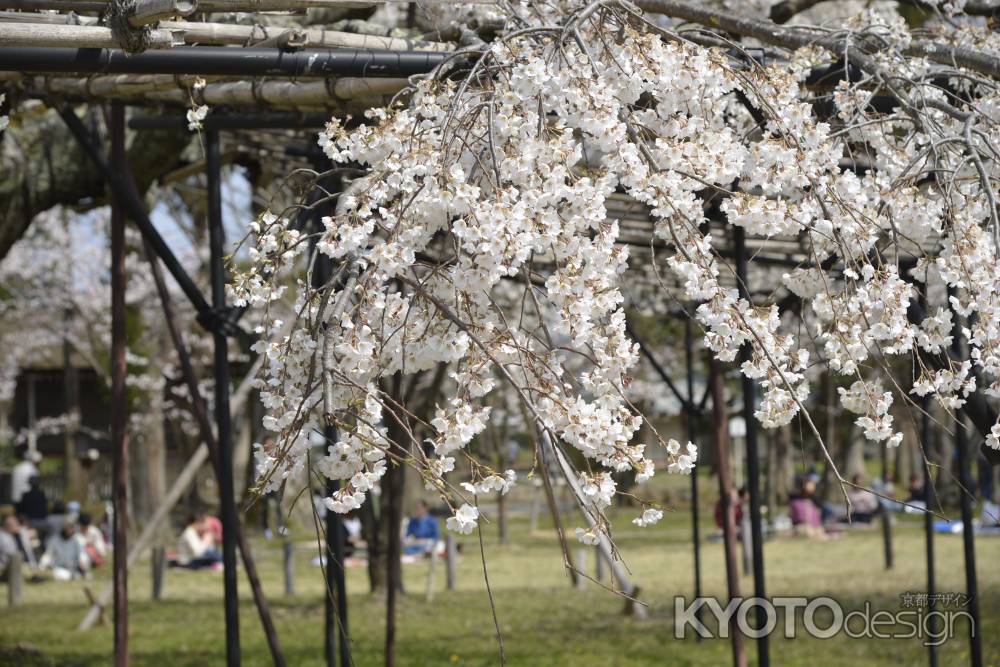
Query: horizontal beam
{"points": [[233, 34], [203, 6], [343, 94], [35, 36], [222, 61]]}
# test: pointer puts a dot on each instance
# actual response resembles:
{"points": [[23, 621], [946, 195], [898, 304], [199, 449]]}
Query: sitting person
{"points": [[196, 548], [212, 525], [21, 537], [9, 543], [33, 505], [915, 492], [422, 532], [806, 515], [353, 541], [92, 540], [56, 519], [738, 502], [65, 555], [864, 503]]}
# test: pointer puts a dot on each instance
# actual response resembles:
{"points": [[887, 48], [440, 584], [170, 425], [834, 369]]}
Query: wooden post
{"points": [[159, 566], [535, 507], [581, 562], [14, 580], [119, 400], [721, 424], [288, 551], [431, 574], [450, 560]]}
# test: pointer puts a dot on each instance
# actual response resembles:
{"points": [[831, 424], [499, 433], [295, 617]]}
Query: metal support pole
{"points": [[217, 242], [119, 399], [965, 489], [689, 411], [220, 61], [929, 499], [753, 462], [335, 612]]}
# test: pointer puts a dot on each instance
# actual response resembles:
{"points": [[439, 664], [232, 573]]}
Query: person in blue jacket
{"points": [[422, 531]]}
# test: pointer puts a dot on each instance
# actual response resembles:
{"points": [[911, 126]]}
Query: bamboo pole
{"points": [[151, 11], [77, 36], [117, 85], [227, 6], [299, 95], [223, 34], [204, 6]]}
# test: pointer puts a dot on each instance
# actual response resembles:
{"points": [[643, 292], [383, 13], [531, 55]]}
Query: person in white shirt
{"points": [[196, 549], [21, 474]]}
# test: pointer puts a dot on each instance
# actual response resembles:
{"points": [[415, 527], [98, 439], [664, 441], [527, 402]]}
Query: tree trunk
{"points": [[148, 466], [71, 408], [721, 430], [43, 166]]}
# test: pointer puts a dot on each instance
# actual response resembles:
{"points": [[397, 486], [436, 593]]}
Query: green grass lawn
{"points": [[544, 621]]}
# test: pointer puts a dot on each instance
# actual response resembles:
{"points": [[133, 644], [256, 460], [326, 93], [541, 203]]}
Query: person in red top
{"points": [[738, 499]]}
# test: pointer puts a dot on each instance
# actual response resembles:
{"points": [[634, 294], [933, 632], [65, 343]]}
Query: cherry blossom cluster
{"points": [[479, 238]]}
